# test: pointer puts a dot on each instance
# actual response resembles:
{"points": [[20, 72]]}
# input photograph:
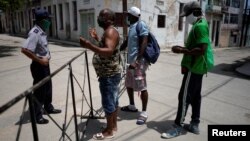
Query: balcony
{"points": [[35, 2], [224, 9], [215, 9]]}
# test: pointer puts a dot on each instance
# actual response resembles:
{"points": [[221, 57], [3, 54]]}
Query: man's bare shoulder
{"points": [[111, 31]]}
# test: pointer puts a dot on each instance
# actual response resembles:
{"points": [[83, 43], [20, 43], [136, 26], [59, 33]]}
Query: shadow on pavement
{"points": [[160, 126], [230, 69], [26, 118], [64, 44], [94, 126], [127, 115], [163, 126], [6, 51]]}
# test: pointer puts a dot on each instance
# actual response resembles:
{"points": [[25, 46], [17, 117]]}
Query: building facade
{"points": [[73, 18], [225, 20]]}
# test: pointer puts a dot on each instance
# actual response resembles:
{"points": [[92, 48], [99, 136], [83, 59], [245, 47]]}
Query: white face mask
{"points": [[191, 19], [127, 21]]}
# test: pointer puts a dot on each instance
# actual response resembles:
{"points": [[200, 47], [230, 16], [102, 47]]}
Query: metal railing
{"points": [[30, 99]]}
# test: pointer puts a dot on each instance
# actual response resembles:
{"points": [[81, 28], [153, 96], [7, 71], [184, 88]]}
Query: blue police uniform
{"points": [[37, 43]]}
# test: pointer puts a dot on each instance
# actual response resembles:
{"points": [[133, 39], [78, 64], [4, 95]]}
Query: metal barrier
{"points": [[28, 95]]}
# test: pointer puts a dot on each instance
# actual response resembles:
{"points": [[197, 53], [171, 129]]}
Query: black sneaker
{"points": [[53, 111], [193, 128], [42, 121]]}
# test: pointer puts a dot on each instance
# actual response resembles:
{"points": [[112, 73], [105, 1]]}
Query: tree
{"points": [[9, 7]]}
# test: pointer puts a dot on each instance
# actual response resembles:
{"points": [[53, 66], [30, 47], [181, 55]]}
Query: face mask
{"points": [[45, 24], [101, 21], [191, 19], [127, 21]]}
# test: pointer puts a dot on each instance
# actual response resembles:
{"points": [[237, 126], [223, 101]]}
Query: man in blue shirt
{"points": [[136, 72]]}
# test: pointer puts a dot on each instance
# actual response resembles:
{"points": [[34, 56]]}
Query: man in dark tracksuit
{"points": [[197, 60], [35, 47]]}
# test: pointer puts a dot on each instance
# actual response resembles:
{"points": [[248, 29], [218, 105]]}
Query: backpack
{"points": [[152, 51]]}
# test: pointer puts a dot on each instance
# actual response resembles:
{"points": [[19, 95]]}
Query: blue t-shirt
{"points": [[133, 40]]}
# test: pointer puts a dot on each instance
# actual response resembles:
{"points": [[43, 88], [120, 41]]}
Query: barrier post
{"points": [[32, 117], [73, 100]]}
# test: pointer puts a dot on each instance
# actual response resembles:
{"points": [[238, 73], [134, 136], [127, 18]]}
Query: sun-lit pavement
{"points": [[225, 95]]}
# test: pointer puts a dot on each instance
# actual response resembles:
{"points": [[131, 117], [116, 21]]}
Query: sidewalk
{"points": [[225, 95]]}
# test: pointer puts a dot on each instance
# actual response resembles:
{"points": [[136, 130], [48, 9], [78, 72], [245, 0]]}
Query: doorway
{"points": [[68, 29], [87, 22]]}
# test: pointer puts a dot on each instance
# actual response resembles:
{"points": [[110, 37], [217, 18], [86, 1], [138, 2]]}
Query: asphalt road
{"points": [[226, 95]]}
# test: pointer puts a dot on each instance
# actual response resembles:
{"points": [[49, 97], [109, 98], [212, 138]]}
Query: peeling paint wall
{"points": [[170, 35], [150, 9]]}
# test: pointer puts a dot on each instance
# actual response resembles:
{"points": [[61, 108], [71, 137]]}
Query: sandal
{"points": [[100, 136], [127, 109], [105, 126], [141, 120]]}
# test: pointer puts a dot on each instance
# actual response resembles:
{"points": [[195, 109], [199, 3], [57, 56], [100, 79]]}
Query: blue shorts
{"points": [[109, 87]]}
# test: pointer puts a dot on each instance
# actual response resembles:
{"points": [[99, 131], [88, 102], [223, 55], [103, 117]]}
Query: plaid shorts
{"points": [[136, 78]]}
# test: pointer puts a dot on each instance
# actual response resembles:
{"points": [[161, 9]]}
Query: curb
{"points": [[165, 50], [244, 69]]}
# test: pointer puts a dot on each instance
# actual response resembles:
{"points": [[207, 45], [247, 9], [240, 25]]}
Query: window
{"points": [[180, 22], [213, 30], [226, 20], [33, 13], [75, 14], [119, 20], [49, 9], [50, 28], [86, 1], [55, 18], [209, 2], [22, 19], [161, 21], [228, 3], [159, 2], [19, 18], [61, 16], [236, 3], [233, 19], [33, 16], [217, 2], [235, 38]]}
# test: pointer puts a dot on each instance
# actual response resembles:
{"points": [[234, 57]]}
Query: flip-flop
{"points": [[104, 126], [127, 109], [141, 120], [100, 136]]}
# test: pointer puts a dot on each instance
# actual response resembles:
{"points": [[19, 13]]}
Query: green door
{"points": [[87, 22]]}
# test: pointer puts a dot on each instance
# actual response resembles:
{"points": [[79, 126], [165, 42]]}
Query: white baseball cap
{"points": [[134, 11]]}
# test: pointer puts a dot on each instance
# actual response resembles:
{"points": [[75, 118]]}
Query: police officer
{"points": [[36, 48]]}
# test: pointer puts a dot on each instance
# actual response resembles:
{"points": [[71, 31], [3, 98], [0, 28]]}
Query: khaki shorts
{"points": [[136, 78]]}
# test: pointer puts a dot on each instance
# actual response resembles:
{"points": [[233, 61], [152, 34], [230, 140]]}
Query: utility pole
{"points": [[125, 27]]}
